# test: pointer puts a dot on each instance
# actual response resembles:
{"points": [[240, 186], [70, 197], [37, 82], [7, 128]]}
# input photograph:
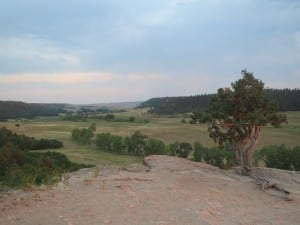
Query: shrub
{"points": [[172, 149], [280, 157], [136, 143], [25, 142], [84, 136], [131, 119], [103, 141], [222, 158], [155, 147], [109, 117], [19, 168], [117, 143], [184, 149]]}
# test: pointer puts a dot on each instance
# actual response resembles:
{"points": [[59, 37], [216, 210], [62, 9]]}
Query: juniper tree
{"points": [[237, 114]]}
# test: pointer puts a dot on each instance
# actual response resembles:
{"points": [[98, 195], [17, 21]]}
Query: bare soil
{"points": [[168, 191]]}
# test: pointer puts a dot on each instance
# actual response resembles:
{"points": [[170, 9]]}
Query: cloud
{"points": [[164, 47], [30, 51]]}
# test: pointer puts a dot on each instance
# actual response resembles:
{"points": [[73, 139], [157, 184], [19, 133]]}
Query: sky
{"points": [[93, 51]]}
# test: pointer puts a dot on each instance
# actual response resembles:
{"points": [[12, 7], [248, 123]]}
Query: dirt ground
{"points": [[169, 191]]}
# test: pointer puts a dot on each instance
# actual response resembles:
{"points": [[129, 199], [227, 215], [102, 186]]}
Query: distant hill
{"points": [[174, 105], [287, 100], [15, 109], [118, 105]]}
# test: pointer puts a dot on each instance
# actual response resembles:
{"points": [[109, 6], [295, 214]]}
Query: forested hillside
{"points": [[13, 109], [287, 100], [173, 105]]}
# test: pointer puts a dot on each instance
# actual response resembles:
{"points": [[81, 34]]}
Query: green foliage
{"points": [[155, 147], [117, 143], [233, 113], [19, 168], [184, 149], [173, 148], [286, 99], [222, 158], [175, 105], [13, 110], [24, 142], [84, 136], [131, 119], [75, 117], [236, 116], [103, 141], [280, 157], [109, 117], [136, 143]]}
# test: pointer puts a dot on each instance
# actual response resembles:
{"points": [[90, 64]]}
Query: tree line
{"points": [[20, 167], [14, 110], [25, 142], [286, 100], [139, 144]]}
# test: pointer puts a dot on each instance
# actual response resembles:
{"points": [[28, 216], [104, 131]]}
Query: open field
{"points": [[168, 129]]}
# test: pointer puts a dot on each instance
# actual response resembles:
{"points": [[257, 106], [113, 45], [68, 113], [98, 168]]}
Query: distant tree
{"points": [[117, 143], [109, 117], [84, 136], [236, 116], [173, 148], [131, 119], [136, 143], [103, 141], [155, 147], [184, 149]]}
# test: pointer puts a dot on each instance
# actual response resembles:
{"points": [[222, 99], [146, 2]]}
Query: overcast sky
{"points": [[91, 51]]}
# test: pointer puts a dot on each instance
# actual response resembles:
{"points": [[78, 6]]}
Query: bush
{"points": [[19, 168], [173, 148], [25, 142], [109, 117], [222, 158], [154, 146], [280, 157], [184, 149], [84, 136], [103, 141], [136, 143]]}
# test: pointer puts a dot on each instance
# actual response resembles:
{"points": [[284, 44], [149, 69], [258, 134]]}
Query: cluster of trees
{"points": [[77, 117], [280, 157], [140, 144], [25, 142], [136, 144], [287, 100], [85, 135], [13, 110], [175, 105], [222, 158], [225, 158], [20, 167]]}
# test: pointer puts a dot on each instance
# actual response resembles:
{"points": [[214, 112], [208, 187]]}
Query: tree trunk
{"points": [[245, 151]]}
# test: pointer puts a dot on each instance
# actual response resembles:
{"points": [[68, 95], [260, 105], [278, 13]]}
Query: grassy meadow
{"points": [[167, 129]]}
